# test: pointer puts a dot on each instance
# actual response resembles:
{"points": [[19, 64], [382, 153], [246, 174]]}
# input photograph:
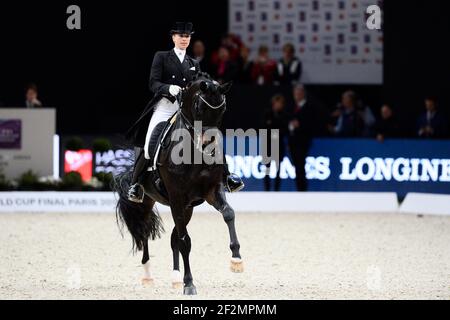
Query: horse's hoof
{"points": [[177, 279], [237, 266], [190, 291], [177, 285], [147, 282]]}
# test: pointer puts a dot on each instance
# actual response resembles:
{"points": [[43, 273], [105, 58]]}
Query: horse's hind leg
{"points": [[147, 279], [219, 202]]}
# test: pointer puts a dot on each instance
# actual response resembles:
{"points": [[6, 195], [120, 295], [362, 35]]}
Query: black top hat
{"points": [[182, 28]]}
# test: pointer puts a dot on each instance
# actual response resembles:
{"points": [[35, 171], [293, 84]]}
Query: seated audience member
{"points": [[276, 118], [387, 126], [349, 122], [263, 69], [289, 67], [245, 66], [302, 128], [198, 50], [31, 97], [432, 123], [225, 69]]}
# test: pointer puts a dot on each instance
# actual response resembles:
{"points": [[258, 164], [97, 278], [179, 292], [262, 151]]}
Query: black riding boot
{"points": [[232, 182], [136, 192]]}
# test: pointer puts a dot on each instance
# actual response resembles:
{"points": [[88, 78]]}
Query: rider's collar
{"points": [[179, 53]]}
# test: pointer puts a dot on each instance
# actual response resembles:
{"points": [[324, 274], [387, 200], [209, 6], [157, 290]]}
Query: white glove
{"points": [[174, 90]]}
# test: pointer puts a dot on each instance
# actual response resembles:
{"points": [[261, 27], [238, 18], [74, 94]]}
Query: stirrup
{"points": [[133, 194], [239, 184]]}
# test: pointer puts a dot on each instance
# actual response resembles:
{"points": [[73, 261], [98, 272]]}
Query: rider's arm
{"points": [[155, 84]]}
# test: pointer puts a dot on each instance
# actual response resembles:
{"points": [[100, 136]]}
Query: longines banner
{"points": [[399, 166], [331, 37]]}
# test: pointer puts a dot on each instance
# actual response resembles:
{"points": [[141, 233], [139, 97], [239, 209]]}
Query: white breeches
{"points": [[164, 109]]}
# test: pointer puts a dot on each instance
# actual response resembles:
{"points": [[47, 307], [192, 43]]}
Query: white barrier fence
{"points": [[57, 201], [259, 202], [422, 203]]}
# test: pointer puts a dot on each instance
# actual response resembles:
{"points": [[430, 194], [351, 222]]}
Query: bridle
{"points": [[198, 95], [198, 135]]}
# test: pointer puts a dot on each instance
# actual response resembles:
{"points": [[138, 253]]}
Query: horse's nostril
{"points": [[203, 86]]}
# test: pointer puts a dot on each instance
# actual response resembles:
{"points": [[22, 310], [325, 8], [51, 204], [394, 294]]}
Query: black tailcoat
{"points": [[166, 70]]}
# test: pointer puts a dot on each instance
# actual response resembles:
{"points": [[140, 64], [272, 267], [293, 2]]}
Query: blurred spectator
{"points": [[289, 68], [387, 126], [301, 130], [198, 50], [233, 44], [263, 69], [349, 122], [225, 69], [31, 97], [245, 66], [432, 124], [276, 118], [368, 118]]}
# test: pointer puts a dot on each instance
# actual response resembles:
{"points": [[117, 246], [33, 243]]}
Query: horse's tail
{"points": [[142, 220]]}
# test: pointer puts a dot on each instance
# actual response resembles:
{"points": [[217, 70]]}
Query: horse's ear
{"points": [[203, 86], [224, 88]]}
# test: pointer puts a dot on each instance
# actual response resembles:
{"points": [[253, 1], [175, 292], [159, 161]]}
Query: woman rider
{"points": [[171, 71]]}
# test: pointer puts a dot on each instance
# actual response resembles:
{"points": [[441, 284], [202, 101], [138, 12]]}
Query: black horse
{"points": [[184, 185]]}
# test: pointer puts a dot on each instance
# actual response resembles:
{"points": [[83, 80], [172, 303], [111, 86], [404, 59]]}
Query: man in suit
{"points": [[276, 118], [302, 127], [432, 124], [170, 72]]}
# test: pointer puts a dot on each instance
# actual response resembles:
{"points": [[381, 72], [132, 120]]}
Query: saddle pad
{"points": [[161, 138]]}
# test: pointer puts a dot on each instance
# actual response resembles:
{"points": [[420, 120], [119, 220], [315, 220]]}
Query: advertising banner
{"points": [[10, 133], [331, 37]]}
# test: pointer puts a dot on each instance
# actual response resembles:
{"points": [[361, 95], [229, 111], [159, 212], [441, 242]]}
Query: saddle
{"points": [[159, 140]]}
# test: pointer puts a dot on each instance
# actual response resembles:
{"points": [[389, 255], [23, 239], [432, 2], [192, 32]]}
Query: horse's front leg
{"points": [[177, 279], [219, 202], [179, 214]]}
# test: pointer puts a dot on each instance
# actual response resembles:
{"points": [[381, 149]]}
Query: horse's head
{"points": [[204, 100]]}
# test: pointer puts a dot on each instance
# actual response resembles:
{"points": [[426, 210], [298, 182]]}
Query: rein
{"points": [[198, 135]]}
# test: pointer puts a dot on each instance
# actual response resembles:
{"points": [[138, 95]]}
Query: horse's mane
{"points": [[201, 76]]}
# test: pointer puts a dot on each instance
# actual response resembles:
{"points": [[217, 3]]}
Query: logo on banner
{"points": [[79, 161], [10, 134]]}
